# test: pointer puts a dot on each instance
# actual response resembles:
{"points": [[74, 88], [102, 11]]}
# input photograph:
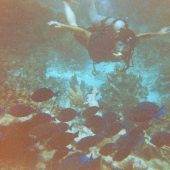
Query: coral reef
{"points": [[121, 91], [9, 95], [92, 98], [76, 97], [76, 93]]}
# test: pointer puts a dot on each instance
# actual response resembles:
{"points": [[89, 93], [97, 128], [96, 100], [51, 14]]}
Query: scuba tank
{"points": [[106, 23]]}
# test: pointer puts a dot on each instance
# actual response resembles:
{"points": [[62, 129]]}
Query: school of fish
{"points": [[22, 142]]}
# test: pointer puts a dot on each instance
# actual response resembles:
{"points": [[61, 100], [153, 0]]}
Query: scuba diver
{"points": [[108, 39]]}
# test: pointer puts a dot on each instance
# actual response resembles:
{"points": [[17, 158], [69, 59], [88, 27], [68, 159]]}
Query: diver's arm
{"points": [[70, 28], [163, 31], [148, 35]]}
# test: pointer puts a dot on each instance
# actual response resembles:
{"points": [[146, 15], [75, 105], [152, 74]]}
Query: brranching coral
{"points": [[76, 97], [121, 91]]}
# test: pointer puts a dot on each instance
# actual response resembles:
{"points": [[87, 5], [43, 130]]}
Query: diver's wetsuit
{"points": [[101, 45], [129, 38]]}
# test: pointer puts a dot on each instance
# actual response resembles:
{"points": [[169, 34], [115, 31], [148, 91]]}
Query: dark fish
{"points": [[143, 125], [21, 156], [17, 147], [60, 140], [54, 163], [89, 141], [96, 123], [112, 129], [137, 131], [16, 129], [68, 138], [62, 127], [27, 126], [122, 153], [43, 132], [40, 118], [110, 117], [107, 149], [126, 144], [43, 94], [161, 138], [91, 111], [67, 115], [20, 110], [144, 112], [101, 126], [60, 154]]}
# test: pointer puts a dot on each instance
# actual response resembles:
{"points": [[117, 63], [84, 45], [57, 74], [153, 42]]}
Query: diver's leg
{"points": [[82, 33], [94, 16], [71, 18]]}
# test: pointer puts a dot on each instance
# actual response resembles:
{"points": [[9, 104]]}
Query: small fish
{"points": [[89, 141], [160, 139], [91, 111], [110, 117], [43, 94], [62, 127], [122, 153], [17, 146], [59, 140], [125, 145], [145, 111], [67, 115], [40, 118], [20, 110], [67, 138], [107, 149], [112, 129], [55, 163], [137, 131], [44, 131], [96, 123], [60, 154]]}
